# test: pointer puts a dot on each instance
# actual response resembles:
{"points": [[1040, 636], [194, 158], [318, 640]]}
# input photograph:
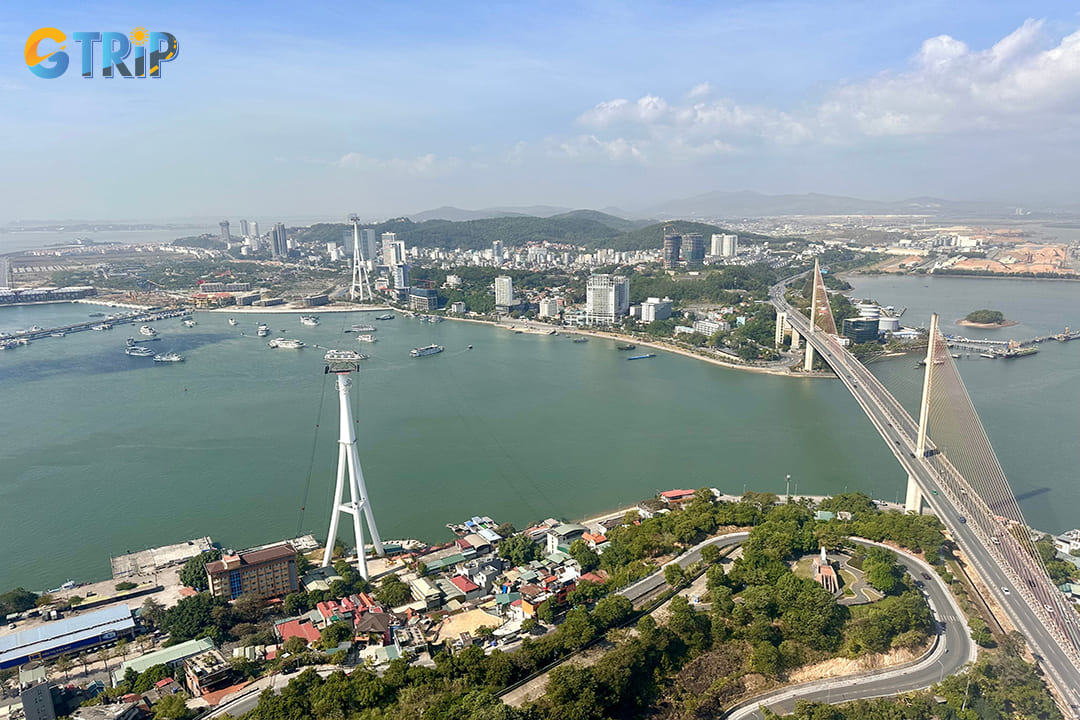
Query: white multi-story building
{"points": [[393, 250], [453, 281], [549, 308], [710, 327], [729, 245], [504, 291], [655, 309], [607, 299], [457, 307]]}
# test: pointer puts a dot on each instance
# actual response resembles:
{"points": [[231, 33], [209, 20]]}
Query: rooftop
{"points": [[74, 629], [282, 551], [173, 654]]}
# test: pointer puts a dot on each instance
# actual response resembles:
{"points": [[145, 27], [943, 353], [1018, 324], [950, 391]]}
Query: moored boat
{"points": [[138, 351], [646, 356], [285, 343], [387, 316]]}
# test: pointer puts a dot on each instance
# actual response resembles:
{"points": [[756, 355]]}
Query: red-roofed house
{"points": [[593, 577], [298, 628], [470, 589], [593, 539], [676, 497]]}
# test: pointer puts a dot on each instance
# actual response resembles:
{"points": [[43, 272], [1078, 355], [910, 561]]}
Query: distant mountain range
{"points": [[746, 204]]}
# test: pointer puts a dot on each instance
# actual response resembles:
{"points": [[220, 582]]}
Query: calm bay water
{"points": [[1030, 407], [102, 453]]}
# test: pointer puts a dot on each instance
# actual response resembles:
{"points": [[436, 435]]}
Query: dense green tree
{"points": [[17, 600], [172, 707], [585, 556], [392, 592], [196, 616], [193, 574], [519, 549]]}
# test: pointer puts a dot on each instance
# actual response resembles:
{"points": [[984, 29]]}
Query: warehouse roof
{"points": [[72, 629]]}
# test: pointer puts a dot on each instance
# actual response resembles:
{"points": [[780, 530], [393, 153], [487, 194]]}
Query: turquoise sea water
{"points": [[101, 453]]}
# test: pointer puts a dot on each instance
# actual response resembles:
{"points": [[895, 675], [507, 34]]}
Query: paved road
{"points": [[1036, 607], [953, 648]]}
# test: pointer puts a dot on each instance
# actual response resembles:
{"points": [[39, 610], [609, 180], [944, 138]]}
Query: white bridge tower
{"points": [[361, 288], [341, 363]]}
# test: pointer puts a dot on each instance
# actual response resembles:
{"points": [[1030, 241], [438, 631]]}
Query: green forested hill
{"points": [[581, 227]]}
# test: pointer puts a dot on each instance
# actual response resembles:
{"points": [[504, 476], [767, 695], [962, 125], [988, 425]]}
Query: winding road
{"points": [[952, 650]]}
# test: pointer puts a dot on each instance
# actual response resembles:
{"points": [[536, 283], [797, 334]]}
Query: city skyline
{"points": [[416, 107]]}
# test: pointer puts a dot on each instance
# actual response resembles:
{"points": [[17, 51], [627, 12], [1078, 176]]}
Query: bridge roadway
{"points": [[1023, 589]]}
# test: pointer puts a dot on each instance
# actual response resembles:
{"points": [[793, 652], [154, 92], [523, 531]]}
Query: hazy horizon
{"points": [[319, 111]]}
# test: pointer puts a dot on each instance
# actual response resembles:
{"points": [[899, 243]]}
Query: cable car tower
{"points": [[361, 288], [341, 363]]}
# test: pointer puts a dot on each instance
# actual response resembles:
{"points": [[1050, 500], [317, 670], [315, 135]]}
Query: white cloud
{"points": [[422, 165], [952, 88], [1023, 81], [700, 90]]}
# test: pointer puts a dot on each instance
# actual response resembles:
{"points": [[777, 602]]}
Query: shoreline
{"points": [[783, 371], [987, 326], [285, 310]]}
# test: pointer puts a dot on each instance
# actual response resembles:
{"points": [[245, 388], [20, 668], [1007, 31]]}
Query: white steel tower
{"points": [[341, 363], [361, 288]]}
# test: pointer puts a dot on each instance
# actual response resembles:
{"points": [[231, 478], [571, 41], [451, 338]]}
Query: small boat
{"points": [[580, 340], [232, 321], [286, 344], [58, 333], [35, 328], [263, 330], [469, 348], [190, 323], [642, 357], [366, 337], [102, 326], [363, 328], [626, 347], [96, 315], [387, 316], [425, 351], [309, 320], [138, 351], [147, 330], [956, 356], [169, 357], [988, 356]]}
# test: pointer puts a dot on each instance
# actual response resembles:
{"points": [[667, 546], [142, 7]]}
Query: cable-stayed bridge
{"points": [[952, 467]]}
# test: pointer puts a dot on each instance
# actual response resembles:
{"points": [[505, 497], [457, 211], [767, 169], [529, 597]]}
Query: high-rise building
{"points": [[549, 308], [244, 229], [255, 229], [695, 249], [266, 572], [393, 250], [607, 298], [254, 243], [504, 291], [672, 248], [728, 245], [369, 246], [497, 252], [224, 225], [279, 242], [655, 309], [401, 276]]}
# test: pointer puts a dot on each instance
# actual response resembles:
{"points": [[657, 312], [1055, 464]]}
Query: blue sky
{"points": [[314, 109]]}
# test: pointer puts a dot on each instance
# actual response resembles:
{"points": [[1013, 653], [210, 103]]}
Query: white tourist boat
{"points": [[263, 330], [232, 321], [309, 320], [190, 323], [366, 337], [138, 351], [285, 343], [169, 357], [148, 331]]}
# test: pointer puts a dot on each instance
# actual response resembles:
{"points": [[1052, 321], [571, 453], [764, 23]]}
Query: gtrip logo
{"points": [[115, 49]]}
